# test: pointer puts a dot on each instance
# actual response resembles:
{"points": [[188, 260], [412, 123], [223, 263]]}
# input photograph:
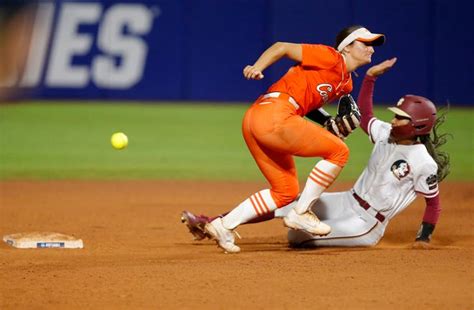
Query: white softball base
{"points": [[34, 240]]}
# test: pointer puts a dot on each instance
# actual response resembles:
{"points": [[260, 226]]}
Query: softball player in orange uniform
{"points": [[275, 130]]}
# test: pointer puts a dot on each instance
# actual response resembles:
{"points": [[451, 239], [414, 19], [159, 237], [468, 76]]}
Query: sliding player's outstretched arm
{"points": [[365, 98]]}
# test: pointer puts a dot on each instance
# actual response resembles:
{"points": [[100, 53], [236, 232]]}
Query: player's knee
{"points": [[286, 196], [340, 155]]}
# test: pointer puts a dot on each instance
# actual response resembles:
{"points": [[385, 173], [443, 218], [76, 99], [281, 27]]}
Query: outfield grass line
{"points": [[167, 141]]}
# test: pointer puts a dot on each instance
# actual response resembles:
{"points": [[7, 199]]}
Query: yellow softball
{"points": [[119, 140]]}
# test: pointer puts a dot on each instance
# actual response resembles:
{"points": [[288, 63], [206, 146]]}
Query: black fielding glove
{"points": [[346, 120], [425, 232], [348, 115], [332, 126]]}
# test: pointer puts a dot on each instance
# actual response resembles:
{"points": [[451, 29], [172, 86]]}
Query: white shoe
{"points": [[307, 221], [223, 236]]}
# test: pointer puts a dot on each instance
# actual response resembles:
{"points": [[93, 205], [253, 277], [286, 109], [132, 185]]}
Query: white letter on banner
{"points": [[39, 45], [123, 67], [68, 43]]}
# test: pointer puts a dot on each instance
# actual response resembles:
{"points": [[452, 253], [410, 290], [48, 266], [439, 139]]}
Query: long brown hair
{"points": [[434, 141]]}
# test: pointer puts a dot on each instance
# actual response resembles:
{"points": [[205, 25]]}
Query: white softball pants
{"points": [[351, 225]]}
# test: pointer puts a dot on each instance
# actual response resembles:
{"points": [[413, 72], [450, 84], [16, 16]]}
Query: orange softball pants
{"points": [[274, 132]]}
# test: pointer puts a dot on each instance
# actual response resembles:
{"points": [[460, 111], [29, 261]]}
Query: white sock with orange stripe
{"points": [[320, 178], [256, 205]]}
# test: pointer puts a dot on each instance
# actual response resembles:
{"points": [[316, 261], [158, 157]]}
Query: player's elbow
{"points": [[290, 50], [280, 45], [280, 48]]}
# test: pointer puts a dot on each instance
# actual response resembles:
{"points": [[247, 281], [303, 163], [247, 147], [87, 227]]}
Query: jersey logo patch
{"points": [[400, 169], [432, 181], [324, 90]]}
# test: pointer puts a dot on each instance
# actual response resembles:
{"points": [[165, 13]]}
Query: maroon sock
{"points": [[262, 218], [215, 217]]}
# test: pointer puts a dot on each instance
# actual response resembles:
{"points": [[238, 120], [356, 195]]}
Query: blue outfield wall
{"points": [[196, 50]]}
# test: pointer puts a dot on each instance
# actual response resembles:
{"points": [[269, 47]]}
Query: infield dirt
{"points": [[138, 255]]}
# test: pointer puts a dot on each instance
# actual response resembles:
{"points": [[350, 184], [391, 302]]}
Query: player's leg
{"points": [[196, 223], [258, 205], [351, 225], [317, 141], [278, 168], [273, 132], [314, 141], [326, 208], [289, 133]]}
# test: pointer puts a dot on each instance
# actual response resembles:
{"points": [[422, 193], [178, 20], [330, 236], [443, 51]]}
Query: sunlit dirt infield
{"points": [[138, 255]]}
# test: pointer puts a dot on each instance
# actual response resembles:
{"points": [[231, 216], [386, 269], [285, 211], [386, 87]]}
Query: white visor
{"points": [[399, 111], [363, 35]]}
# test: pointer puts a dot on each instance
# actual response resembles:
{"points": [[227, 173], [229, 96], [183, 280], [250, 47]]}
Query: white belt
{"points": [[278, 94]]}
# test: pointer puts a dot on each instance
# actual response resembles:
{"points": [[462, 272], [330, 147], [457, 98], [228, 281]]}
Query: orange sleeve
{"points": [[319, 56]]}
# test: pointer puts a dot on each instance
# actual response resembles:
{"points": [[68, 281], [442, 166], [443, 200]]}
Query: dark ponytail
{"points": [[433, 142]]}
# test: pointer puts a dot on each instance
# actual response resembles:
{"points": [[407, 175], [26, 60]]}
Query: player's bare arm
{"points": [[271, 55], [382, 67]]}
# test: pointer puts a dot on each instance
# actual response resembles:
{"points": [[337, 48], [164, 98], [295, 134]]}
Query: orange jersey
{"points": [[320, 78]]}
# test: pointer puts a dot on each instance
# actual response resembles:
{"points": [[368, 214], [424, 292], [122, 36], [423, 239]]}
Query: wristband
{"points": [[319, 116], [425, 232]]}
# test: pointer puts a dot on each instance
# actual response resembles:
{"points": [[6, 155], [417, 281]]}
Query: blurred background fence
{"points": [[196, 50]]}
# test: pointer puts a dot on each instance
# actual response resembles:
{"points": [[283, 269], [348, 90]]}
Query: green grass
{"points": [[167, 141]]}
